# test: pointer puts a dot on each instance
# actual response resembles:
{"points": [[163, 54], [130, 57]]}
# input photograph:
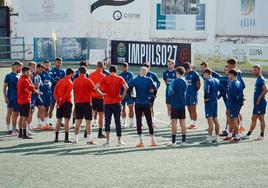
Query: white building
{"points": [[212, 21]]}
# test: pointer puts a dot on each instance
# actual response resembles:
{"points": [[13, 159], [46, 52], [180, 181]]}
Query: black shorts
{"points": [[25, 110], [97, 105], [178, 113], [83, 110], [65, 110]]}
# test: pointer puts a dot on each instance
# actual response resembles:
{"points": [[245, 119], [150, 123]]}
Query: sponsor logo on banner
{"points": [[118, 14], [136, 53], [99, 3]]}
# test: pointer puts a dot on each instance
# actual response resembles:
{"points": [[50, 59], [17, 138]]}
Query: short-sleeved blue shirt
{"points": [[192, 78], [260, 82], [211, 89], [177, 90], [169, 76]]}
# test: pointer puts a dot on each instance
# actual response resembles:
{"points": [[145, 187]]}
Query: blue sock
{"points": [[173, 139]]}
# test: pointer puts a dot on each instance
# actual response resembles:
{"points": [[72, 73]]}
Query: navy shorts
{"points": [[211, 109], [37, 101], [234, 111], [52, 100], [260, 109], [168, 97], [191, 100], [127, 100], [9, 102], [14, 104], [46, 98]]}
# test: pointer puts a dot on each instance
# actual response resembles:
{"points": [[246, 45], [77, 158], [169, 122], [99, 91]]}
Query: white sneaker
{"points": [[259, 138], [207, 141], [107, 144], [184, 144], [132, 125], [170, 144], [123, 126], [31, 133], [72, 126], [94, 123], [120, 143], [75, 141], [245, 137], [217, 139]]}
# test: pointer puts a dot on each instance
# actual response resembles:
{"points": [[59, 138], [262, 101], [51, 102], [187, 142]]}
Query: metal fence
{"points": [[12, 48]]}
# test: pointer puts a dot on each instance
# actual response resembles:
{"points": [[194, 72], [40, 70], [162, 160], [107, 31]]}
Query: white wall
{"points": [[234, 19], [72, 18]]}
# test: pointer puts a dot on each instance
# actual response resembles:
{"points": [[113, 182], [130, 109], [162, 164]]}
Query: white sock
{"points": [[123, 121], [131, 120], [8, 127], [89, 137], [28, 126], [76, 137], [39, 121], [193, 122], [42, 123], [230, 135], [152, 138], [140, 137], [213, 133], [47, 120], [228, 129], [241, 124], [237, 136]]}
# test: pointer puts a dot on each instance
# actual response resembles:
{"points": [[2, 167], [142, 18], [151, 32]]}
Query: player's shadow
{"points": [[99, 150], [51, 148], [123, 150], [162, 147], [3, 134], [32, 147]]}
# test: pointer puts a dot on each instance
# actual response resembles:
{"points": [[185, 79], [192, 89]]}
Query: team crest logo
{"points": [[185, 55], [121, 49]]}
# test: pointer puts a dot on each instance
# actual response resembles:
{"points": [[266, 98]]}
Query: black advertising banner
{"points": [[136, 53]]}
